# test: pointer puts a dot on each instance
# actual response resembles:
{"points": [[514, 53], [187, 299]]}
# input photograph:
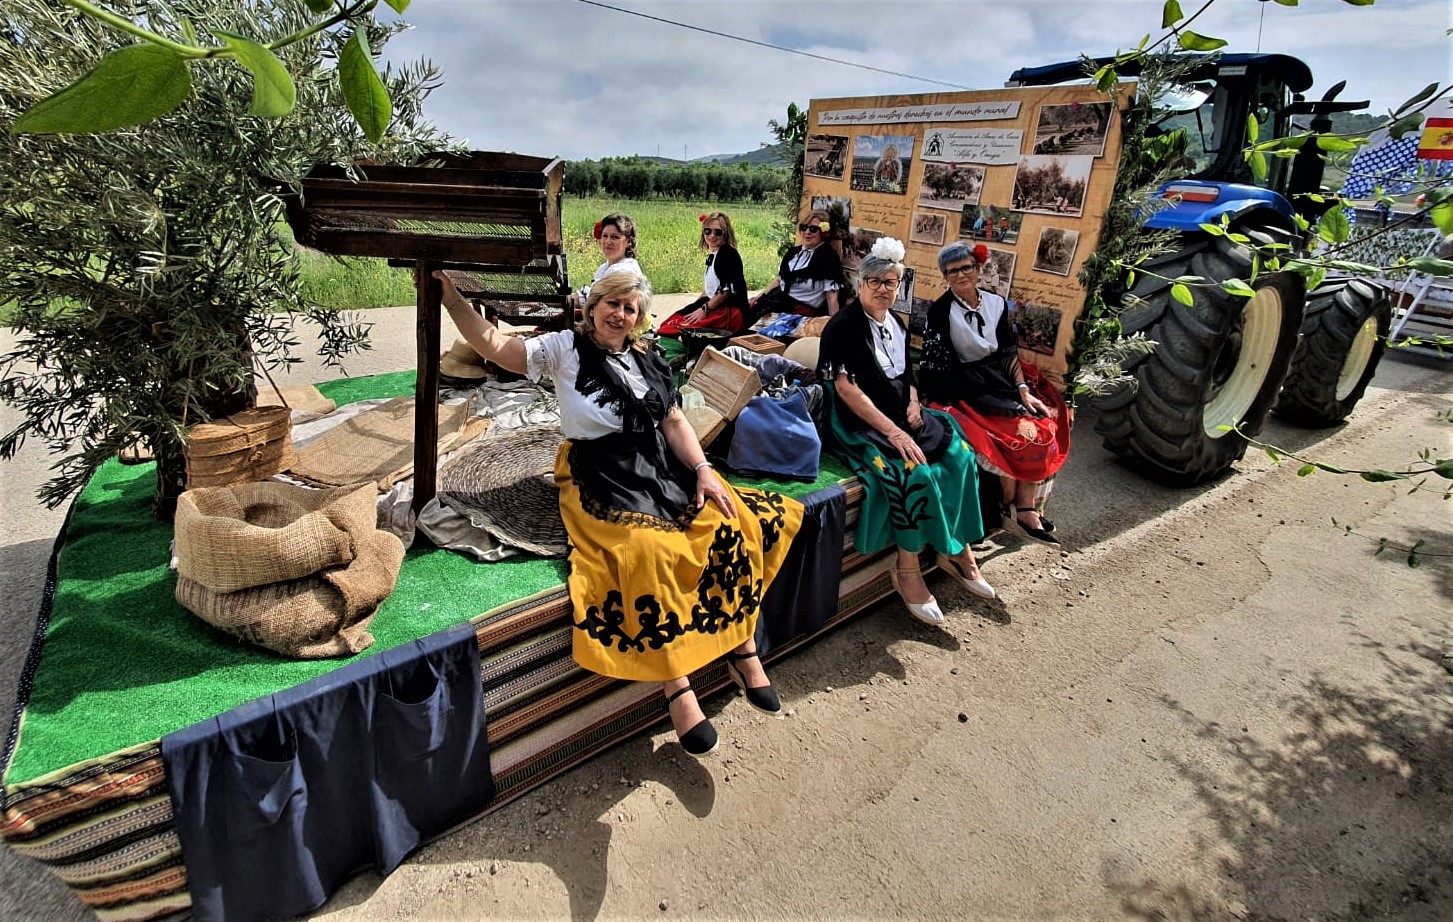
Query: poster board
{"points": [[1028, 172]]}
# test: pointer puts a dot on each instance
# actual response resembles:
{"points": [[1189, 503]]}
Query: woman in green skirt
{"points": [[919, 475]]}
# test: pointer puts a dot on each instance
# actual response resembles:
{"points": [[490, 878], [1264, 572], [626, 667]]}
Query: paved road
{"points": [[1215, 706]]}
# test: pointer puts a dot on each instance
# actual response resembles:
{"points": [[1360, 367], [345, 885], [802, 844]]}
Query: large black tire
{"points": [[1344, 334], [1219, 362]]}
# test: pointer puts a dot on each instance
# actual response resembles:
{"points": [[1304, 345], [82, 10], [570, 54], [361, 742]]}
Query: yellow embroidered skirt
{"points": [[658, 592]]}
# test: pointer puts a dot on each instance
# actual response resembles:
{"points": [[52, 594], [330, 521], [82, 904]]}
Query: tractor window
{"points": [[1191, 108]]}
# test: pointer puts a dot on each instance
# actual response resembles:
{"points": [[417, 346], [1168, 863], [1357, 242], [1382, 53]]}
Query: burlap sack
{"points": [[310, 618], [254, 534]]}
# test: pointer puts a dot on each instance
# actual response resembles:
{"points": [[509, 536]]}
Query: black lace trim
{"points": [[771, 510], [728, 593]]}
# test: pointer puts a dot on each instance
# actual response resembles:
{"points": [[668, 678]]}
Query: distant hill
{"points": [[762, 156]]}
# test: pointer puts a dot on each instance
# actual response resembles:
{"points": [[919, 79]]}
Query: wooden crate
{"points": [[727, 385], [756, 342], [483, 208]]}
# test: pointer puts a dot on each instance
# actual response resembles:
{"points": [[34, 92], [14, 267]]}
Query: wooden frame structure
{"points": [[490, 219]]}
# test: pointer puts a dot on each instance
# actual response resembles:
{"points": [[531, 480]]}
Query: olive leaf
{"points": [[1194, 41]]}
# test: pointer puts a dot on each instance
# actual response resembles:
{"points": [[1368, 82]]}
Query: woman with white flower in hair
{"points": [[919, 476]]}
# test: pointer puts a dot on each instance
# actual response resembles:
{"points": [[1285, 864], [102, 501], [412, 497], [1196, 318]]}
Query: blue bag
{"points": [[775, 437]]}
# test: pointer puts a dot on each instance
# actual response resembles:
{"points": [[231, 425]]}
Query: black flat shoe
{"points": [[700, 740], [1041, 535], [763, 699]]}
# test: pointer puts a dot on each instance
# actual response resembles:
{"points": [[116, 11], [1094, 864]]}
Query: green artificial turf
{"points": [[124, 664]]}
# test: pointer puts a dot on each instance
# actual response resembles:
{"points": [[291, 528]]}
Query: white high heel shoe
{"points": [[927, 612], [979, 586]]}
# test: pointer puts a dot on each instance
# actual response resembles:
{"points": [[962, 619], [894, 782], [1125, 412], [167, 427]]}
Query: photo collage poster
{"points": [[1027, 172]]}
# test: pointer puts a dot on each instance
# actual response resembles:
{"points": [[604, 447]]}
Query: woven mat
{"points": [[378, 445], [505, 484]]}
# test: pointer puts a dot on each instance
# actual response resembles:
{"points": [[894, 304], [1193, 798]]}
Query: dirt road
{"points": [[1213, 706]]}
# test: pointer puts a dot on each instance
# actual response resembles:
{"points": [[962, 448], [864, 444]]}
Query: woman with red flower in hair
{"points": [[616, 233], [1014, 417], [724, 295]]}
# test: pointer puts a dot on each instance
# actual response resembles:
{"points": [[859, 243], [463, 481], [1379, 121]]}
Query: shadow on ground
{"points": [[1346, 817]]}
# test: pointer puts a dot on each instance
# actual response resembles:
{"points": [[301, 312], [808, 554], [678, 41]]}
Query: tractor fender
{"points": [[1207, 202]]}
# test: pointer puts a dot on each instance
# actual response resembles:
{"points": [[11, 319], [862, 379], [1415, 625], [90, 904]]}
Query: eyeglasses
{"points": [[809, 227], [961, 270], [712, 232], [883, 284]]}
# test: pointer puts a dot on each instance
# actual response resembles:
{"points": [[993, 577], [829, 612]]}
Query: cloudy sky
{"points": [[565, 78]]}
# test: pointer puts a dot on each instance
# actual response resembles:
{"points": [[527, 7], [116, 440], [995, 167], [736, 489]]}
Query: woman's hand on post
{"points": [[450, 292], [710, 487]]}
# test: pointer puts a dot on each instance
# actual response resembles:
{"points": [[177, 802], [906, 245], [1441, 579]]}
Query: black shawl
{"points": [[730, 274], [847, 349], [988, 385], [824, 265]]}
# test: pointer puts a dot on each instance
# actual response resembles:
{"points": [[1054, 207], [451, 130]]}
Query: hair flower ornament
{"points": [[981, 253], [596, 232], [701, 217], [888, 248], [824, 226]]}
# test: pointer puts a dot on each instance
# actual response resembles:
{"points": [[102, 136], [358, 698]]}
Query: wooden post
{"points": [[426, 384]]}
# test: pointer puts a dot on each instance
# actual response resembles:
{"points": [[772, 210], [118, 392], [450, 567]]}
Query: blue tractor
{"points": [[1224, 359]]}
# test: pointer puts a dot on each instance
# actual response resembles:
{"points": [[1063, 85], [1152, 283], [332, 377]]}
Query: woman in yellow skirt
{"points": [[668, 562]]}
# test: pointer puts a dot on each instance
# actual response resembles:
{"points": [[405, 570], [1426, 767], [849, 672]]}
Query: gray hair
{"points": [[957, 251], [875, 267]]}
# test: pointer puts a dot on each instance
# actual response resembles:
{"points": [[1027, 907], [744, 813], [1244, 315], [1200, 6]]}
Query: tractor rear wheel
{"points": [[1219, 362], [1344, 333]]}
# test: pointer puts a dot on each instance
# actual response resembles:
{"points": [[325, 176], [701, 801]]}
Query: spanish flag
{"points": [[1437, 140]]}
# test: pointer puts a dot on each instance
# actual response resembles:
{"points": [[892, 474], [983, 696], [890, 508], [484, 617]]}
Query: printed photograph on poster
{"points": [[928, 227], [826, 155], [1073, 128], [1056, 250], [839, 210], [950, 186], [1037, 327], [1051, 184], [992, 223], [856, 245], [998, 271], [904, 302], [880, 163]]}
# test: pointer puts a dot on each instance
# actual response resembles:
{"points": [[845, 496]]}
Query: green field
{"points": [[666, 242], [666, 232]]}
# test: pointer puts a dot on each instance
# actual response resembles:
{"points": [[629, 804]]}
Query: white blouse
{"points": [[580, 416], [970, 344], [713, 284], [890, 346], [628, 264]]}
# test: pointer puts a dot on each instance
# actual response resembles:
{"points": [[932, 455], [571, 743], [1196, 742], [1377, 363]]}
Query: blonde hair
{"points": [[615, 285]]}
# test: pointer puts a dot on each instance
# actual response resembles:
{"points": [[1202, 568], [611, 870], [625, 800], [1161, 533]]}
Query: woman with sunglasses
{"points": [[920, 483], [809, 277], [723, 301], [1016, 419], [616, 233]]}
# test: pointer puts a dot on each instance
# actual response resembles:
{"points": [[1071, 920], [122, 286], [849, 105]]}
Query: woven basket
{"points": [[252, 445]]}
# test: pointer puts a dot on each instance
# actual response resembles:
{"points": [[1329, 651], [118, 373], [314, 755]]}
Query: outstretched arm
{"points": [[508, 352]]}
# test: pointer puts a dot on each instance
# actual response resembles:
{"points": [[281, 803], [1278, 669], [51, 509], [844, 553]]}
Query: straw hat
{"points": [[462, 362], [505, 484]]}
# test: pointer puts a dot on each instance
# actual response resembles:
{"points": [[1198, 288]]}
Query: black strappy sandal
{"points": [[700, 740], [763, 699]]}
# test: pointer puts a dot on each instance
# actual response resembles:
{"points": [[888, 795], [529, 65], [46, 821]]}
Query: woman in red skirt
{"points": [[1016, 419]]}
